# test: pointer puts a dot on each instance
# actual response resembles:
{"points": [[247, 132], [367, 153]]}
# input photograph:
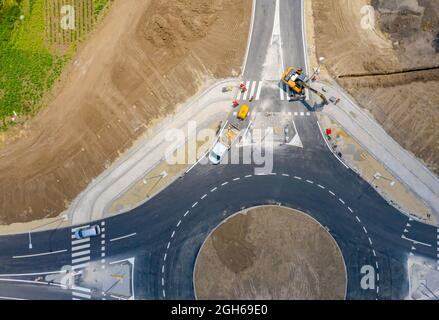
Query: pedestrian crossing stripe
{"points": [[254, 89]]}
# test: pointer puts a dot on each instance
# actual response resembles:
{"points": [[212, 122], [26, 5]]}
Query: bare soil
{"points": [[144, 59], [392, 69], [270, 253]]}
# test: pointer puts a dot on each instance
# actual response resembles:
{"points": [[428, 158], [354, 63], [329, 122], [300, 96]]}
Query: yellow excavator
{"points": [[297, 81]]}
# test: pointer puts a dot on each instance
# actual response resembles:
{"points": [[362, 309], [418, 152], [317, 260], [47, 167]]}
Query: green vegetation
{"points": [[29, 64]]}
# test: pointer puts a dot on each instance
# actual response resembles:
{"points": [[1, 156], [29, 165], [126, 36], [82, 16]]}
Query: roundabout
{"points": [[270, 252]]}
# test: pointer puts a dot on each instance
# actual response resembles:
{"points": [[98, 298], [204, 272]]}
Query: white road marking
{"points": [[285, 175], [374, 253], [195, 204], [79, 260], [39, 254], [365, 230], [173, 234], [178, 224], [10, 298], [246, 93], [358, 219], [236, 179], [352, 211], [80, 266], [321, 187], [81, 289], [214, 189], [370, 241], [81, 295], [164, 258], [169, 244], [81, 253], [203, 196], [252, 92], [225, 183], [248, 176], [186, 213], [163, 269], [310, 182], [341, 200], [80, 241], [332, 193], [123, 237], [281, 91], [415, 242], [297, 178], [32, 274], [258, 94], [85, 246]]}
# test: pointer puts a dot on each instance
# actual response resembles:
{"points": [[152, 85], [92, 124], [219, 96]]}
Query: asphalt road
{"points": [[165, 234]]}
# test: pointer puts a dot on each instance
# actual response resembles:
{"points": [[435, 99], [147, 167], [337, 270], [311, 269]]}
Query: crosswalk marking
{"points": [[281, 91], [75, 242], [83, 259], [85, 246], [246, 92], [80, 253], [254, 89]]}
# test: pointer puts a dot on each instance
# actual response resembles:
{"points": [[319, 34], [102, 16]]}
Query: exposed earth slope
{"points": [[145, 59]]}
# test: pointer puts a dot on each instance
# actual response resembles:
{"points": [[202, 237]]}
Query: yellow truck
{"points": [[243, 112]]}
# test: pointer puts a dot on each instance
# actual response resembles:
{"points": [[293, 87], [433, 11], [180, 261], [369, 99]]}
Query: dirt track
{"points": [[270, 252], [404, 37], [145, 59]]}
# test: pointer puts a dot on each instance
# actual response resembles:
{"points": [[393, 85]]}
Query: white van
{"points": [[217, 153], [88, 232]]}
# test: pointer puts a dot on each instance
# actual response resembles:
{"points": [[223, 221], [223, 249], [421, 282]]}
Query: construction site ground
{"points": [[159, 177], [391, 69], [145, 59], [270, 252], [358, 159]]}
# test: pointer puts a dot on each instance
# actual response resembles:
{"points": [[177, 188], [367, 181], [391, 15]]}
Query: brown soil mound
{"points": [[145, 58], [404, 38], [270, 253]]}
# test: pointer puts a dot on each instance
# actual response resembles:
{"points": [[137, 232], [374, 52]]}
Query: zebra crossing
{"points": [[81, 258], [253, 91]]}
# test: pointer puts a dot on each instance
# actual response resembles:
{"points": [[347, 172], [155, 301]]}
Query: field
{"points": [[34, 48]]}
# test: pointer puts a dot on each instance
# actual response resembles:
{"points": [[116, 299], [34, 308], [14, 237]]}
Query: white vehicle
{"points": [[217, 153], [88, 232]]}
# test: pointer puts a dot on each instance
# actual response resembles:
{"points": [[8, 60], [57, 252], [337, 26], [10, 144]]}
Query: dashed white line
{"points": [[365, 230], [186, 213], [374, 253], [332, 193], [214, 189], [165, 256], [202, 198], [321, 187], [341, 200], [173, 234], [310, 182], [358, 219], [248, 176], [236, 179], [224, 184], [297, 178], [169, 244], [370, 241], [352, 211], [178, 224], [195, 204], [285, 175], [163, 269], [163, 282]]}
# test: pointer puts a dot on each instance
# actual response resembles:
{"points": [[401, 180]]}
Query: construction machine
{"points": [[298, 81]]}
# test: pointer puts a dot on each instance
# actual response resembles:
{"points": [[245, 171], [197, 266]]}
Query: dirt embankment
{"points": [[146, 57], [391, 69]]}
